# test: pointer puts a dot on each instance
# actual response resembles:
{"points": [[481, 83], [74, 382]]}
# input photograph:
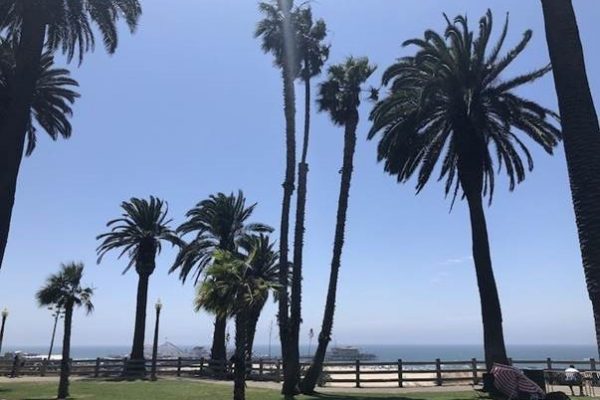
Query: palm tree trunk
{"points": [[289, 380], [136, 365], [312, 375], [296, 297], [63, 385], [53, 334], [493, 336], [581, 134], [253, 317], [14, 126], [239, 378], [218, 351]]}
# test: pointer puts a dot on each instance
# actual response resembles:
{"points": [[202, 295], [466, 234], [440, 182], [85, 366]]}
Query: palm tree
{"points": [[52, 98], [263, 263], [139, 232], [278, 37], [64, 291], [232, 288], [34, 25], [339, 96], [313, 54], [449, 98], [581, 135], [219, 223]]}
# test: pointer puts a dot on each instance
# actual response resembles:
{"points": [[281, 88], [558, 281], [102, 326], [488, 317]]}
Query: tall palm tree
{"points": [[139, 232], [52, 99], [313, 54], [339, 96], [263, 263], [581, 135], [33, 25], [278, 37], [218, 223], [450, 98], [232, 288], [65, 292]]}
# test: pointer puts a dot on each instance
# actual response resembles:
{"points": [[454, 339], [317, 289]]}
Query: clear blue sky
{"points": [[190, 106]]}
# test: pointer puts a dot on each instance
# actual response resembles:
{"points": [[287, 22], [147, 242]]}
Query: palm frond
{"points": [[64, 289], [447, 105], [139, 232]]}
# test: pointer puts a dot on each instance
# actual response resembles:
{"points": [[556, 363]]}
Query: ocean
{"points": [[383, 352]]}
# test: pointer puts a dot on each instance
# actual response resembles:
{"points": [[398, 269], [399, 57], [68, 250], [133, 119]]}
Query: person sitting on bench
{"points": [[573, 377]]}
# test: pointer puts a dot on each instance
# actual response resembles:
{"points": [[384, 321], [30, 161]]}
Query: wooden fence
{"points": [[342, 374]]}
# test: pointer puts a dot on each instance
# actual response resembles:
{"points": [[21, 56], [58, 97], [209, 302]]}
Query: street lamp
{"points": [[4, 316], [158, 307]]}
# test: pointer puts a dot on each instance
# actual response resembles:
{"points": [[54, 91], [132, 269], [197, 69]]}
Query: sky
{"points": [[190, 106]]}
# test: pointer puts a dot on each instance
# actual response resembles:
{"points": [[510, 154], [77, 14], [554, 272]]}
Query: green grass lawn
{"points": [[184, 390]]}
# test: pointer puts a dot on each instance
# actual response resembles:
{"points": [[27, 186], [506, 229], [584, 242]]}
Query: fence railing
{"points": [[350, 374]]}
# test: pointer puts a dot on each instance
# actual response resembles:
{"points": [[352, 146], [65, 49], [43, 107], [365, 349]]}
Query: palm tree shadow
{"points": [[325, 396], [116, 379]]}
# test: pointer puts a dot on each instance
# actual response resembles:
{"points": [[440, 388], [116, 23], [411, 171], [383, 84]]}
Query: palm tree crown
{"points": [[262, 257], [231, 277], [219, 222], [70, 24], [139, 232], [271, 30], [217, 293], [52, 99], [339, 95], [449, 98], [310, 35], [64, 288]]}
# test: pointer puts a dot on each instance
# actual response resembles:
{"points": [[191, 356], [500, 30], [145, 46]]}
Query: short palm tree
{"points": [[277, 32], [218, 223], [139, 232], [448, 104], [340, 97], [65, 292], [263, 261], [55, 25], [232, 288], [581, 133], [313, 54]]}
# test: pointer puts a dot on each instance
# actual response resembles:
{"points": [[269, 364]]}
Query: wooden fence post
{"points": [[178, 366], [357, 373], [549, 363], [15, 367], [201, 366], [592, 364], [400, 383], [438, 372], [278, 371], [43, 368], [97, 368], [260, 368], [474, 368]]}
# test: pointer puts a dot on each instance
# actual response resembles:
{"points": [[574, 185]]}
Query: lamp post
{"points": [[57, 314], [158, 307], [4, 316]]}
